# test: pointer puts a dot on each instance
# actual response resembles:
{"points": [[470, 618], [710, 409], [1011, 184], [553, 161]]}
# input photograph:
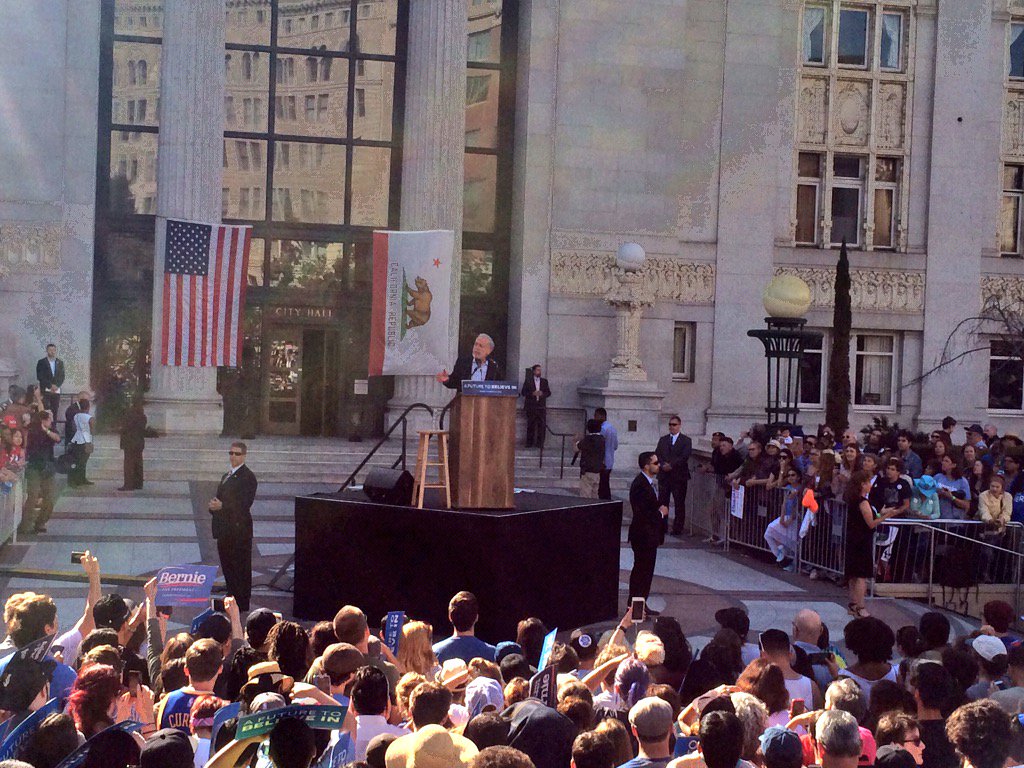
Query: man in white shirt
{"points": [[371, 703]]}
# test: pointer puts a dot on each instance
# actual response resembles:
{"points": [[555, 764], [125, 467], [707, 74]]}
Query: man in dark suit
{"points": [[674, 451], [647, 529], [232, 525], [536, 391], [478, 367], [133, 443], [50, 373]]}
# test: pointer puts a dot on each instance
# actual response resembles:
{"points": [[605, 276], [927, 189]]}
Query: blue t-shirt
{"points": [[611, 442], [647, 762], [63, 678], [465, 647]]}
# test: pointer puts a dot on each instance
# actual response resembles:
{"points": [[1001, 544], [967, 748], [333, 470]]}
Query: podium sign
{"points": [[482, 446]]}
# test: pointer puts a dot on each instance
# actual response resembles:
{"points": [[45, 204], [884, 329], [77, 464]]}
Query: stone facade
{"points": [[690, 127]]}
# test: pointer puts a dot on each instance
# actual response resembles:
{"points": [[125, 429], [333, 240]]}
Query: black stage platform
{"points": [[554, 557]]}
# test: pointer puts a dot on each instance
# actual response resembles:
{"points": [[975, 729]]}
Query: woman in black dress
{"points": [[861, 521]]}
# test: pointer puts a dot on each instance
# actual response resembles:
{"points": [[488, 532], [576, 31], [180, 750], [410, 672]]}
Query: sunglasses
{"points": [[235, 453], [916, 742]]}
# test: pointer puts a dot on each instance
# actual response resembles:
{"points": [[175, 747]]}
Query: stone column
{"points": [[432, 164], [189, 159]]}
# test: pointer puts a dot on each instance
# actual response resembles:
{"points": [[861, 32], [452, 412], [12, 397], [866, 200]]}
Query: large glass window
{"points": [[874, 365], [890, 55], [1016, 57], [1010, 212], [812, 375], [814, 35], [847, 191], [682, 351], [853, 37], [808, 191], [1005, 377]]}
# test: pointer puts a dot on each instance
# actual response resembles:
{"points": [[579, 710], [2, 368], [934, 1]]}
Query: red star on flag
{"points": [[437, 262]]}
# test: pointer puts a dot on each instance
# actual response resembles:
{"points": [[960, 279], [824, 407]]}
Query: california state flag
{"points": [[411, 312]]}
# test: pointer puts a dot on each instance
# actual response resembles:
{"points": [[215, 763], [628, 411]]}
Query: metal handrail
{"points": [[444, 412], [561, 464], [401, 420]]}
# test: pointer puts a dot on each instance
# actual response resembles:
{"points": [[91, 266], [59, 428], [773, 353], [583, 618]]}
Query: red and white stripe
{"points": [[202, 316]]}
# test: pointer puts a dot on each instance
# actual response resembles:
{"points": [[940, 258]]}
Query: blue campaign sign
{"points": [[490, 388], [393, 629], [76, 758], [221, 716], [199, 619], [549, 645], [184, 584], [28, 726], [316, 716]]}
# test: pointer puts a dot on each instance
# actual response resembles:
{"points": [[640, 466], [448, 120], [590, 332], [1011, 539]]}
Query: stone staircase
{"points": [[296, 460]]}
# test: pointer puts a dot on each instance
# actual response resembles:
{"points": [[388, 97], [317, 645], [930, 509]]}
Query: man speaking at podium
{"points": [[478, 367]]}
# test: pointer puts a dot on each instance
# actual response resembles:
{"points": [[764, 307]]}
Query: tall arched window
{"points": [[247, 65], [310, 69], [131, 73], [142, 71], [325, 69]]}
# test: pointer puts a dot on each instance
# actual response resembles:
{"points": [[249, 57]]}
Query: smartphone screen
{"points": [[797, 707], [133, 682], [638, 609], [76, 557], [217, 603], [323, 682]]}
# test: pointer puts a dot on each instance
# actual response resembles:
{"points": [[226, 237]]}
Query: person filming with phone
{"points": [[647, 530], [232, 525]]}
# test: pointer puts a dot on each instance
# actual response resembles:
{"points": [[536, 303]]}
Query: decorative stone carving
{"points": [[30, 246], [594, 275], [628, 297], [872, 290], [851, 118], [890, 114], [1013, 124], [1007, 290], [812, 110]]}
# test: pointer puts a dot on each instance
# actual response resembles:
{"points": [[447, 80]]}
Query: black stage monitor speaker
{"points": [[389, 486]]}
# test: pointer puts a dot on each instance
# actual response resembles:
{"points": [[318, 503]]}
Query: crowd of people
{"points": [[636, 696]]}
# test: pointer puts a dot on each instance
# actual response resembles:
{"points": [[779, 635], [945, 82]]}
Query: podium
{"points": [[483, 445]]}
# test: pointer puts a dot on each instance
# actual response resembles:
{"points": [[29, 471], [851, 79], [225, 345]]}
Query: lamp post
{"points": [[628, 297], [786, 300]]}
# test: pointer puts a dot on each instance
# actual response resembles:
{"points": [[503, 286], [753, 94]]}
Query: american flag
{"points": [[205, 272]]}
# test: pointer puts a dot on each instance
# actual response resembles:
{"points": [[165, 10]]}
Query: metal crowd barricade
{"points": [[749, 518], [707, 503], [823, 544], [11, 504]]}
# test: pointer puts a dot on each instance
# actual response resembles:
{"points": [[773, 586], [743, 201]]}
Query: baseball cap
{"points": [[111, 611], [988, 647], [342, 659], [652, 717], [975, 428], [266, 701], [504, 648], [584, 643], [893, 756], [782, 748], [735, 619], [216, 626], [377, 749], [774, 443], [167, 748], [484, 694], [868, 747], [258, 625]]}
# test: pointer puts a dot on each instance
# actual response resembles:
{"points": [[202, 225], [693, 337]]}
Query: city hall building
{"points": [[733, 140]]}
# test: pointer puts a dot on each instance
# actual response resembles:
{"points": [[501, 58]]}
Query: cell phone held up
{"points": [[76, 558], [217, 604], [133, 680], [638, 609]]}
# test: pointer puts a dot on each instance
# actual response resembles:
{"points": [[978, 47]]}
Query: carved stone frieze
{"points": [[1006, 290], [851, 118], [891, 114], [812, 110], [30, 246], [1013, 124], [872, 290], [593, 275]]}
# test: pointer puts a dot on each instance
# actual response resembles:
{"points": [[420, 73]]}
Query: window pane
{"points": [[1009, 225], [257, 248], [312, 96], [846, 166], [886, 169], [377, 30], [1005, 384], [484, 43], [477, 272], [883, 217], [309, 183], [304, 264], [681, 350], [853, 37], [247, 85], [301, 24], [814, 35], [1013, 177], [371, 185], [811, 377], [134, 18], [481, 174], [809, 165], [1016, 50], [132, 173], [136, 83], [482, 108], [807, 214], [845, 216], [892, 41], [248, 22], [874, 371], [374, 92]]}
